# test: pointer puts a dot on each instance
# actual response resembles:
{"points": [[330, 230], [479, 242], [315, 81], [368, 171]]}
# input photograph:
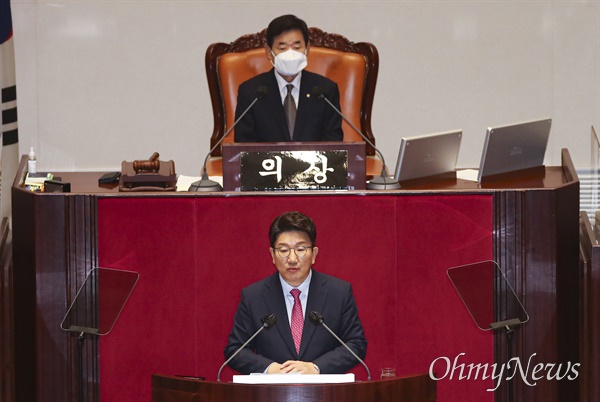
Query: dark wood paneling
{"points": [[54, 248], [6, 315], [535, 234], [590, 310], [24, 286]]}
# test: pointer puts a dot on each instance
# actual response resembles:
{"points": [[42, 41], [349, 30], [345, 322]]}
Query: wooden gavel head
{"points": [[152, 165]]}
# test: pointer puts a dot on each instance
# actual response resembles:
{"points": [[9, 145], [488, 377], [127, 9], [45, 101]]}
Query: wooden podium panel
{"points": [[590, 302], [407, 389], [529, 225]]}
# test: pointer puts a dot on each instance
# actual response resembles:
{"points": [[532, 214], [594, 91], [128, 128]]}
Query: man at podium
{"points": [[289, 110], [294, 343]]}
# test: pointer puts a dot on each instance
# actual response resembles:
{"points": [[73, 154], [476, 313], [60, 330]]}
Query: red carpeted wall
{"points": [[195, 254]]}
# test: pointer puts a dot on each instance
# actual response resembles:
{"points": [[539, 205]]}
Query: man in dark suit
{"points": [[294, 344], [269, 119]]}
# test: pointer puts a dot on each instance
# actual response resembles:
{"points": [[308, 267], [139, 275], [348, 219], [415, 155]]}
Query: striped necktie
{"points": [[297, 319]]}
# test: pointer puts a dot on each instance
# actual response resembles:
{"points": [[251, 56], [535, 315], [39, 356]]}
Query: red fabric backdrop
{"points": [[195, 254]]}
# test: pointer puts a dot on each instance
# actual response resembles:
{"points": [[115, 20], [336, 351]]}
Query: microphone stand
{"points": [[509, 327], [205, 184], [383, 182], [81, 331], [509, 334], [267, 321], [80, 342], [318, 319]]}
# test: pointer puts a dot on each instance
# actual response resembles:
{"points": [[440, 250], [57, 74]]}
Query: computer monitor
{"points": [[427, 155], [514, 147]]}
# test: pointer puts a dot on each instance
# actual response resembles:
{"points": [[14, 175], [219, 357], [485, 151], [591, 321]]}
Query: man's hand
{"points": [[292, 366], [295, 366], [274, 368]]}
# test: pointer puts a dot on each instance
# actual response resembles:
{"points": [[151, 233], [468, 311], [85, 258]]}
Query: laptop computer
{"points": [[427, 155], [514, 147]]}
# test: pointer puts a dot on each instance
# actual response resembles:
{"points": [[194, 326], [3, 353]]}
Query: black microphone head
{"points": [[318, 91], [316, 318], [269, 320], [261, 91]]}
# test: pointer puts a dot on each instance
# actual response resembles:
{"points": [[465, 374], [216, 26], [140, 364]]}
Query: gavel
{"points": [[152, 165]]}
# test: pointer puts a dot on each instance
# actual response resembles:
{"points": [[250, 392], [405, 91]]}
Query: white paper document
{"points": [[259, 378], [467, 174]]}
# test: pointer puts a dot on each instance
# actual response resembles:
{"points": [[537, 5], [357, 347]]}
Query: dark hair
{"points": [[283, 24], [293, 221]]}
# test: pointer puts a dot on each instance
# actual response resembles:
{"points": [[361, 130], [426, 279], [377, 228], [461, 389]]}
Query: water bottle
{"points": [[32, 161]]}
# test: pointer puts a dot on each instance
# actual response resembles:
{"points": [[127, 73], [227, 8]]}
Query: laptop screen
{"points": [[514, 147], [427, 155]]}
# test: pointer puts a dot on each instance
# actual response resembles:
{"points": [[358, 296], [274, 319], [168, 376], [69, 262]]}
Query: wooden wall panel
{"points": [[6, 315], [590, 310], [54, 248]]}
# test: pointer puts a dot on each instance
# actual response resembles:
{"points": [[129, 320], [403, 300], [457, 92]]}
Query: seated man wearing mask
{"points": [[289, 111]]}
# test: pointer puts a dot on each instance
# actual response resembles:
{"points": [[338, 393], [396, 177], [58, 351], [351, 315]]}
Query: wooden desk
{"points": [[402, 239]]}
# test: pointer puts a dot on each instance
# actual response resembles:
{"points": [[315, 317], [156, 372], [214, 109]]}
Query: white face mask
{"points": [[290, 62]]}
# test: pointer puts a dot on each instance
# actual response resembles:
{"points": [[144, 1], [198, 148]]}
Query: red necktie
{"points": [[297, 319]]}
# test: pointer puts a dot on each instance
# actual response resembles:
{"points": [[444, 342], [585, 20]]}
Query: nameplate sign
{"points": [[294, 166], [294, 170]]}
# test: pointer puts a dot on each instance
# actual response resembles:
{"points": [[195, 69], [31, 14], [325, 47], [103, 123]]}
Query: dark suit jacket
{"points": [[330, 296], [266, 122]]}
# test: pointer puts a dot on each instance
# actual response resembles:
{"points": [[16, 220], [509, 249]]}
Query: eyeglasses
{"points": [[284, 252]]}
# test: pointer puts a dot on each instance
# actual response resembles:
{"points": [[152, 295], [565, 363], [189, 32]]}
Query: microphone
{"points": [[268, 321], [205, 184], [317, 319], [383, 182]]}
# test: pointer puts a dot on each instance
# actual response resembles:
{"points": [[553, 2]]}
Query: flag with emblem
{"points": [[10, 138]]}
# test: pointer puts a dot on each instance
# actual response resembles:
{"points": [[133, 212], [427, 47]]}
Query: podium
{"points": [[419, 388], [180, 243]]}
